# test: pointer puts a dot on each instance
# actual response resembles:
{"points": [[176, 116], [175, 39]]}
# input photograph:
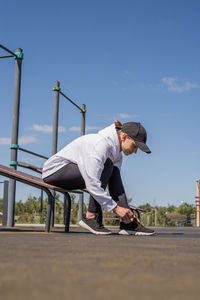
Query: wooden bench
{"points": [[48, 188], [39, 183]]}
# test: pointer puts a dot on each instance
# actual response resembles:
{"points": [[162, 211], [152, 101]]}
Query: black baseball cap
{"points": [[138, 133]]}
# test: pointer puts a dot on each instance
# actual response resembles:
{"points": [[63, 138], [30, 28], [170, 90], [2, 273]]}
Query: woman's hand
{"points": [[126, 214]]}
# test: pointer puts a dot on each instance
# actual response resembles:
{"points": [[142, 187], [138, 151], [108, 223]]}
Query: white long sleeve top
{"points": [[90, 152]]}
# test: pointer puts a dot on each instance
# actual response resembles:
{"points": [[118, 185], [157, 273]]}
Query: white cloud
{"points": [[174, 85], [125, 116], [27, 140], [87, 128], [22, 140], [5, 141], [74, 128], [46, 128], [61, 129]]}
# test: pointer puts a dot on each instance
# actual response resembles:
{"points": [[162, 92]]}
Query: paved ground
{"points": [[79, 265]]}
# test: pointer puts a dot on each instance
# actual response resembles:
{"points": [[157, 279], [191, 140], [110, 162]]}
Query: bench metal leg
{"points": [[67, 211], [53, 208], [49, 207], [80, 207], [5, 203]]}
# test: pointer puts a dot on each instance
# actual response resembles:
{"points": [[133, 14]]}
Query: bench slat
{"points": [[24, 177]]}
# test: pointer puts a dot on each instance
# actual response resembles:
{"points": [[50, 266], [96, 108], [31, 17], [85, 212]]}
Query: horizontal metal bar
{"points": [[33, 153], [4, 48], [70, 101], [30, 167], [6, 56]]}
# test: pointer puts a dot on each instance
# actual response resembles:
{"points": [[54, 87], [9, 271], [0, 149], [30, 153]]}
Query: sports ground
{"points": [[80, 265]]}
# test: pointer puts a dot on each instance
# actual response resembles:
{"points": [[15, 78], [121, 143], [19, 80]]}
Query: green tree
{"points": [[30, 212], [171, 209], [19, 208], [186, 209], [161, 215], [146, 207]]}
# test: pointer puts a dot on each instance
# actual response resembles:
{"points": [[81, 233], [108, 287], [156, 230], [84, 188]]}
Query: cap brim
{"points": [[143, 147]]}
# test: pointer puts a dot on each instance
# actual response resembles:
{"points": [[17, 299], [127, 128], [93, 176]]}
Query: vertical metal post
{"points": [[81, 200], [65, 207], [67, 211], [14, 139], [83, 107], [55, 118], [198, 204], [41, 201], [55, 137], [5, 203]]}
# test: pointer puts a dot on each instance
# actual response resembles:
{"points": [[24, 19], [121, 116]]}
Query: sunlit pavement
{"points": [[79, 265]]}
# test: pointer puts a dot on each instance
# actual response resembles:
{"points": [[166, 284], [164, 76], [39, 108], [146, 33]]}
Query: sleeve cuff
{"points": [[110, 206]]}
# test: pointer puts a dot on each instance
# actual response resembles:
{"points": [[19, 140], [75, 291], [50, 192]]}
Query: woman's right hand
{"points": [[126, 214]]}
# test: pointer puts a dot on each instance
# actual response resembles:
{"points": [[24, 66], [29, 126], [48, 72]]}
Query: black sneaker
{"points": [[134, 228], [94, 226]]}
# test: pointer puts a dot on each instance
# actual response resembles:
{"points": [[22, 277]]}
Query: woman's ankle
{"points": [[90, 215]]}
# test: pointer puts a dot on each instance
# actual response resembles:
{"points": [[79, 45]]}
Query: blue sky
{"points": [[126, 60]]}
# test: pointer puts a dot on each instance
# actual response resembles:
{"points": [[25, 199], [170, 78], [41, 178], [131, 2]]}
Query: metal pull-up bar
{"points": [[9, 51], [17, 147], [33, 153], [82, 109], [72, 102], [57, 91], [17, 54]]}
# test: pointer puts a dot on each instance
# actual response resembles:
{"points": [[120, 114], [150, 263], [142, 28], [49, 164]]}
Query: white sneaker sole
{"points": [[128, 232], [85, 226]]}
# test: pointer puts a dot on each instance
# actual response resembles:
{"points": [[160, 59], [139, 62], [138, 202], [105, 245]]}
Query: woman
{"points": [[93, 161]]}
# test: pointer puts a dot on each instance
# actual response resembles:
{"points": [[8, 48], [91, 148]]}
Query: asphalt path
{"points": [[79, 265]]}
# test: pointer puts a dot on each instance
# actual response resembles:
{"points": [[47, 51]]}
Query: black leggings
{"points": [[69, 177]]}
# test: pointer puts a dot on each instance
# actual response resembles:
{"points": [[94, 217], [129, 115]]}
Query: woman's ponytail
{"points": [[118, 125]]}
